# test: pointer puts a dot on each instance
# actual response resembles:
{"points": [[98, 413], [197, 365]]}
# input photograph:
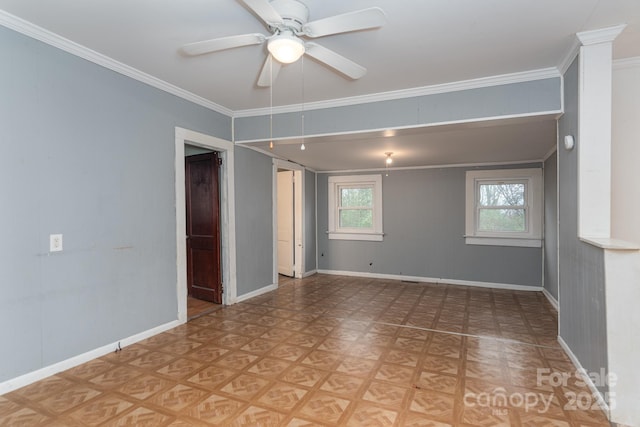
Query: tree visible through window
{"points": [[502, 207], [356, 207]]}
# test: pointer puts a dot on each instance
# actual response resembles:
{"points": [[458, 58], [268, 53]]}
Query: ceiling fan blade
{"points": [[265, 11], [335, 61], [222, 43], [269, 72], [372, 17]]}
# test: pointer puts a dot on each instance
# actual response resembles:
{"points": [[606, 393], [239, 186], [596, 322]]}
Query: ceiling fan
{"points": [[287, 22]]}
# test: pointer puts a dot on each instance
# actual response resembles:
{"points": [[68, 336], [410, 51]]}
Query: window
{"points": [[504, 207], [355, 207]]}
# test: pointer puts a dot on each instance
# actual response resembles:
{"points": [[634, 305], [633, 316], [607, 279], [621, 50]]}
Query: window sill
{"points": [[503, 241], [372, 237]]}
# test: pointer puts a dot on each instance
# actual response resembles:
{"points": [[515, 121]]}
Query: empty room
{"points": [[320, 213]]}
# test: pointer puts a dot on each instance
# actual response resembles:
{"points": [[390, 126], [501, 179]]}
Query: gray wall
{"points": [[581, 288], [310, 220], [551, 225], [424, 225], [254, 220], [88, 153], [531, 97]]}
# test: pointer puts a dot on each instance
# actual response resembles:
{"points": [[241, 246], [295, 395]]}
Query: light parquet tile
{"points": [[325, 351], [100, 410], [139, 417], [325, 407]]}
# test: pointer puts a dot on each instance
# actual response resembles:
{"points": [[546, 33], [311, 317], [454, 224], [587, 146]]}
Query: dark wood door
{"points": [[204, 275]]}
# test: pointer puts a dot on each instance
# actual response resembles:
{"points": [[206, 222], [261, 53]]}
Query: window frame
{"points": [[533, 207], [335, 183]]}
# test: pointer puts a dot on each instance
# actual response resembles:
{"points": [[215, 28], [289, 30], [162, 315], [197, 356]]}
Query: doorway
{"points": [[288, 224], [225, 149]]}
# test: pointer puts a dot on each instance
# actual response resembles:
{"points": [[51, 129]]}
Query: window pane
{"points": [[501, 194], [510, 220], [350, 197], [356, 218]]}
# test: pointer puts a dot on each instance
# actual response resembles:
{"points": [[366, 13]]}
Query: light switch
{"points": [[55, 242]]}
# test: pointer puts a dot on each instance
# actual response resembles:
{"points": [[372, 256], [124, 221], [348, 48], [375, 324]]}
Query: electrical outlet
{"points": [[55, 242]]}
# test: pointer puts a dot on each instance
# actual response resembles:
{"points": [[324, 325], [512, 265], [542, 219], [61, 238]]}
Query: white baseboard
{"points": [[552, 300], [310, 273], [257, 292], [433, 280], [587, 379], [47, 371]]}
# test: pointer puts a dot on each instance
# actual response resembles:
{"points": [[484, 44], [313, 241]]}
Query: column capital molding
{"points": [[603, 35]]}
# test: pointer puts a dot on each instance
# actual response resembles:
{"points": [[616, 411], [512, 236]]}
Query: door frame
{"points": [[299, 214], [227, 215]]}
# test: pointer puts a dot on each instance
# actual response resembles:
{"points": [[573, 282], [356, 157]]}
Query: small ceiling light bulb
{"points": [[302, 147], [271, 145], [389, 160]]}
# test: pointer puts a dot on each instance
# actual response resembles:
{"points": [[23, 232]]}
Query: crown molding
{"points": [[626, 63], [603, 35], [569, 56], [31, 30], [525, 76]]}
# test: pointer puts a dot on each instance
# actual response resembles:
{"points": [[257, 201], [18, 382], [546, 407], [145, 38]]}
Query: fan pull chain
{"points": [[271, 103], [302, 147]]}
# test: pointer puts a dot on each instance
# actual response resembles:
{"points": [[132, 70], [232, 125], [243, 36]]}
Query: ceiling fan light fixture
{"points": [[286, 48]]}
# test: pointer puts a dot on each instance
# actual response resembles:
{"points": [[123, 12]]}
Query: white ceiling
{"points": [[498, 141], [424, 42]]}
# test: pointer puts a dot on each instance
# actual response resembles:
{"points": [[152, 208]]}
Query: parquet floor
{"points": [[198, 307], [328, 351]]}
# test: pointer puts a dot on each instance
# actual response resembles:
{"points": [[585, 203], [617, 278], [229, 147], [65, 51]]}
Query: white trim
{"points": [[602, 35], [569, 57], [455, 165], [335, 231], [550, 298], [47, 371], [611, 244], [29, 29], [257, 292], [626, 63], [310, 273], [433, 280], [594, 138], [503, 241], [227, 215], [299, 171], [532, 236], [502, 79], [371, 237], [315, 193], [557, 242], [586, 378], [553, 113]]}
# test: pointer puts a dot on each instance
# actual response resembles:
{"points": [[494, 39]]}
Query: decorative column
{"points": [[621, 258], [594, 132]]}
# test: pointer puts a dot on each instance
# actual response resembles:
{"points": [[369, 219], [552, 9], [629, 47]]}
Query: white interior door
{"points": [[298, 223], [285, 224]]}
